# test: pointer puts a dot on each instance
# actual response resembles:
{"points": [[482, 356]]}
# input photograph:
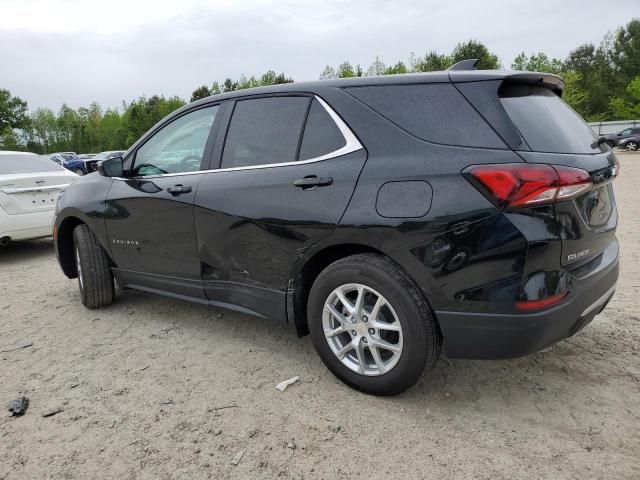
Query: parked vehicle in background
{"points": [[614, 139], [631, 143], [74, 163], [56, 157], [85, 156], [91, 163], [29, 188], [386, 216]]}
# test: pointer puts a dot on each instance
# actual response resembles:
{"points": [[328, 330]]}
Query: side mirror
{"points": [[112, 167]]}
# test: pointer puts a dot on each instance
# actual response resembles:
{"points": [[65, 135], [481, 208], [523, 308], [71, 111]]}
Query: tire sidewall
{"points": [[413, 357]]}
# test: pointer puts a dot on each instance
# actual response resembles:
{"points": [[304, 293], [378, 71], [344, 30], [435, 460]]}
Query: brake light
{"points": [[528, 305], [522, 185]]}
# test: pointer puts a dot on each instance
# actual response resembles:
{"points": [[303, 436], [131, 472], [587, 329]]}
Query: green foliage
{"points": [[475, 49], [627, 108], [432, 62], [398, 68], [13, 111], [201, 92], [537, 62]]}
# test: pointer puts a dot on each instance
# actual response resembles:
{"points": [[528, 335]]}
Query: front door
{"points": [[288, 168], [150, 219]]}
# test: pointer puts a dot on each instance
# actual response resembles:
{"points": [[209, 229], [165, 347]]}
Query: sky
{"points": [[78, 51]]}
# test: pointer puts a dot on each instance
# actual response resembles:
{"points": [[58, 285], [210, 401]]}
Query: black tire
{"points": [[95, 279], [79, 171], [632, 146], [422, 339]]}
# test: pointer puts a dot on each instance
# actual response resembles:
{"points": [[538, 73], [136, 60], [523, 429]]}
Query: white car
{"points": [[29, 188]]}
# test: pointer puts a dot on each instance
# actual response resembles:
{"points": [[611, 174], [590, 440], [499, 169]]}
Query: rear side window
{"points": [[264, 131], [435, 112], [27, 164], [545, 121], [321, 135]]}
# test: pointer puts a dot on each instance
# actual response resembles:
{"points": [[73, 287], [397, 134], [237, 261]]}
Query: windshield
{"points": [[546, 122], [27, 163]]}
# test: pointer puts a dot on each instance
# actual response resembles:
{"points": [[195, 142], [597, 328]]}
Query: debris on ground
{"points": [[237, 458], [51, 413], [26, 345], [282, 386], [18, 406], [292, 445]]}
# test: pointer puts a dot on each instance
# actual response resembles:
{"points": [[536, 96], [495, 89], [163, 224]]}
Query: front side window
{"points": [[178, 147], [264, 131]]}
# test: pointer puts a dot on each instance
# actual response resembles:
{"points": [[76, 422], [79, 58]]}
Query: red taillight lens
{"points": [[540, 304], [522, 185]]}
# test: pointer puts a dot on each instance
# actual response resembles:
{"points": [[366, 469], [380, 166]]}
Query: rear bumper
{"points": [[26, 225], [495, 336]]}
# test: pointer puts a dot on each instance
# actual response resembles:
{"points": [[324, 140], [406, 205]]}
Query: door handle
{"points": [[312, 181], [179, 189]]}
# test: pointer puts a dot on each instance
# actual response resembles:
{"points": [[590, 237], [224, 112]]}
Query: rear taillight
{"points": [[522, 185]]}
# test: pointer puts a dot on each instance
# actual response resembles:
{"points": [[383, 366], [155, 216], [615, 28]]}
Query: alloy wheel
{"points": [[632, 146], [362, 329]]}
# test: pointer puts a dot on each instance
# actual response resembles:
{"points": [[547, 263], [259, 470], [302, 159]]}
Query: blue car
{"points": [[82, 166]]}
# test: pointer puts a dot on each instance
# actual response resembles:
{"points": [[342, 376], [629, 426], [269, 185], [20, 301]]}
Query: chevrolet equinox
{"points": [[389, 217]]}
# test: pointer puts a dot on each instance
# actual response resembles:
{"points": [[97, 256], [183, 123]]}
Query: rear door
{"points": [[150, 220], [557, 135], [288, 168]]}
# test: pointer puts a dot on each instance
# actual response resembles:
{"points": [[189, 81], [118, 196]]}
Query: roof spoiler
{"points": [[468, 64]]}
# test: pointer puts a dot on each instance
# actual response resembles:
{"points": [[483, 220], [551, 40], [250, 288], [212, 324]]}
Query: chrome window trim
{"points": [[352, 144]]}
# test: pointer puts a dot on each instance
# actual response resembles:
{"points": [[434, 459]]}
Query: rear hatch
{"points": [[30, 183], [553, 133]]}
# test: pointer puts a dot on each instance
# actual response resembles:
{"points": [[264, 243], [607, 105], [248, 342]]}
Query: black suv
{"points": [[387, 216]]}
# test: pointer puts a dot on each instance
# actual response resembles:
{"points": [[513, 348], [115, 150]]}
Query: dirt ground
{"points": [[157, 388]]}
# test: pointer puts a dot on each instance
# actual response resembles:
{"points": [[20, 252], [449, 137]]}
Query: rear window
{"points": [[545, 121], [26, 164], [435, 112]]}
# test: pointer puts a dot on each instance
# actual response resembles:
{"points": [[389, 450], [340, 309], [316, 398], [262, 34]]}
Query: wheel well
{"points": [[303, 282], [64, 243]]}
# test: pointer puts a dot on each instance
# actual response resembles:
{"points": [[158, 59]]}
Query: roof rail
{"points": [[468, 64]]}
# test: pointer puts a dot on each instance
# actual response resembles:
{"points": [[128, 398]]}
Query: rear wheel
{"points": [[95, 279], [79, 171], [632, 146], [371, 326]]}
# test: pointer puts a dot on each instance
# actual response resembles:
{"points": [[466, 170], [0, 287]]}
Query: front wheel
{"points": [[79, 171], [632, 146], [371, 326], [95, 279]]}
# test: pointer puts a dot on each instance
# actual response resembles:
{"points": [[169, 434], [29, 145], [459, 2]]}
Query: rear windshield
{"points": [[27, 164], [546, 122]]}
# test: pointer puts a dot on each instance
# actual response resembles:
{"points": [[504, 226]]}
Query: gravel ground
{"points": [[156, 388]]}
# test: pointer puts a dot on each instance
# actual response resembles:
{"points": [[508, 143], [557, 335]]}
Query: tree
{"points": [[626, 52], [396, 69], [627, 109], [329, 73], [345, 70], [201, 92], [475, 49], [13, 111], [432, 62], [537, 62], [376, 68]]}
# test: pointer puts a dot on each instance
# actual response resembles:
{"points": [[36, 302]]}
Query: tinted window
{"points": [[177, 147], [28, 163], [321, 134], [264, 131], [435, 112], [545, 122]]}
